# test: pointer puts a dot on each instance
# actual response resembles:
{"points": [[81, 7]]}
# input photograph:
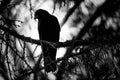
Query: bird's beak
{"points": [[35, 18]]}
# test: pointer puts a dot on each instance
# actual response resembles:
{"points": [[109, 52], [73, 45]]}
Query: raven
{"points": [[48, 29]]}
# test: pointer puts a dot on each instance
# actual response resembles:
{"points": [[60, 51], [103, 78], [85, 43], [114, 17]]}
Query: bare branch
{"points": [[22, 37], [58, 44], [70, 12], [16, 53]]}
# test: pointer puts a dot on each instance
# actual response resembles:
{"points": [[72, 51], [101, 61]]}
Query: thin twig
{"points": [[7, 58], [16, 53]]}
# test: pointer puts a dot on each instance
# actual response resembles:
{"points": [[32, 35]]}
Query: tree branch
{"points": [[16, 52], [22, 37], [70, 11], [59, 44], [97, 13]]}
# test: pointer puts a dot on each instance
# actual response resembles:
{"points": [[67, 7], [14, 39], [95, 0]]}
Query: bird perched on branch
{"points": [[48, 29]]}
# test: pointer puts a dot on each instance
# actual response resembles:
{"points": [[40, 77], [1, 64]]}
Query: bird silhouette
{"points": [[48, 29]]}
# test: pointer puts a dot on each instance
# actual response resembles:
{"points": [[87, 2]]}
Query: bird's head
{"points": [[40, 13]]}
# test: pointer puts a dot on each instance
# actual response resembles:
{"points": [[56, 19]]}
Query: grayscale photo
{"points": [[59, 39]]}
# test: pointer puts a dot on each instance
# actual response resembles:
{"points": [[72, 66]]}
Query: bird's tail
{"points": [[49, 59]]}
